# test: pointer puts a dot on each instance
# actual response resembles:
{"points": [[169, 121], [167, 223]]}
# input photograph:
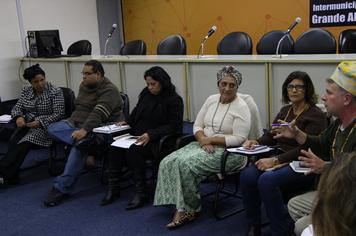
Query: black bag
{"points": [[90, 142]]}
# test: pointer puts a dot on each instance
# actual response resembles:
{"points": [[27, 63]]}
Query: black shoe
{"points": [[6, 181], [254, 230], [2, 182], [138, 201], [54, 197], [110, 197]]}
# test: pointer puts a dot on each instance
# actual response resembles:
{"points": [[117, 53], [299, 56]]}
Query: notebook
{"points": [[109, 129], [257, 150], [297, 168]]}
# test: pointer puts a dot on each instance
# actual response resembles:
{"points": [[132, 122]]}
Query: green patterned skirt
{"points": [[181, 172]]}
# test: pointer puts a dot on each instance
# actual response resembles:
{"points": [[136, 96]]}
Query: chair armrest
{"points": [[224, 157], [168, 141], [184, 140]]}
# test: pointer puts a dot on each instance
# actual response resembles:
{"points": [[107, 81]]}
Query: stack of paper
{"points": [[256, 150], [5, 118], [124, 141], [109, 129], [298, 168]]}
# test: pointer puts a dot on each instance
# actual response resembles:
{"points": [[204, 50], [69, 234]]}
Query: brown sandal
{"points": [[180, 218]]}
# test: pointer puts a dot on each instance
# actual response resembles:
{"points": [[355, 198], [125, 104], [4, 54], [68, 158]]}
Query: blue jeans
{"points": [[62, 131], [266, 187]]}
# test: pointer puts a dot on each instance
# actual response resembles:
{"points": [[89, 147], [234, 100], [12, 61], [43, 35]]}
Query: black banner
{"points": [[327, 13]]}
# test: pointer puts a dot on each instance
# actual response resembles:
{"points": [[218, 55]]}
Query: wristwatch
{"points": [[275, 161]]}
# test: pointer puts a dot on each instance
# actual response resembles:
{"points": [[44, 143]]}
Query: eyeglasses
{"points": [[87, 73], [298, 87]]}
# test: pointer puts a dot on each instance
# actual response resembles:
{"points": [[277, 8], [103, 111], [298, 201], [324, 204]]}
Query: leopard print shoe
{"points": [[180, 218]]}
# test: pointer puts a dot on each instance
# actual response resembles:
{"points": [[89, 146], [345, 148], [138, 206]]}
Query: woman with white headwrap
{"points": [[223, 120]]}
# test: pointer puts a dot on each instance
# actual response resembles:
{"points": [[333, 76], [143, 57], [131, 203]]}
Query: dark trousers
{"points": [[10, 164], [135, 158], [266, 187]]}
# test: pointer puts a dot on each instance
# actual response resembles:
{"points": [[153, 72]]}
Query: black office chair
{"points": [[6, 130], [235, 43], [81, 47], [269, 41], [315, 41], [135, 47], [172, 45], [347, 41]]}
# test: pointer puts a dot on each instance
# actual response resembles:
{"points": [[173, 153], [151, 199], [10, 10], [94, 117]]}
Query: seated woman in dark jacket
{"points": [[159, 111], [259, 185], [39, 105]]}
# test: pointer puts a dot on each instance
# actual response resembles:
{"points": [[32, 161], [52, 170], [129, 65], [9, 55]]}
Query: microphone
{"points": [[114, 26], [211, 31], [295, 23], [201, 48]]}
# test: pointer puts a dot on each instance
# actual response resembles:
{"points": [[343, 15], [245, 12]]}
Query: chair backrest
{"points": [[69, 98], [126, 105], [269, 41], [347, 41], [256, 129], [235, 43], [315, 41], [135, 47], [81, 47], [6, 106], [172, 45]]}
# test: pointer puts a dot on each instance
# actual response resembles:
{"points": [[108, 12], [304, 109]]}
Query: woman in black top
{"points": [[158, 112]]}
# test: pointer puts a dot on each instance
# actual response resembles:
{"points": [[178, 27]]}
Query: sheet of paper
{"points": [[124, 141], [5, 118]]}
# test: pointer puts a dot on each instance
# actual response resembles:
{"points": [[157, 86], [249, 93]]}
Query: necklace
{"points": [[222, 121], [304, 108], [343, 145]]}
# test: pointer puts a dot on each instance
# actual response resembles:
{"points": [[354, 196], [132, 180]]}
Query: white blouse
{"points": [[231, 120]]}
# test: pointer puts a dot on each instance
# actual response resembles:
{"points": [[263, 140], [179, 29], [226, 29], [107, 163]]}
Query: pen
{"points": [[280, 124]]}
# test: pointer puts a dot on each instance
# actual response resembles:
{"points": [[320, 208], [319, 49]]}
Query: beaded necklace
{"points": [[304, 108], [222, 121], [343, 145]]}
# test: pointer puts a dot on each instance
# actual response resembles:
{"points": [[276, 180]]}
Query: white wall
{"points": [[10, 49], [75, 19]]}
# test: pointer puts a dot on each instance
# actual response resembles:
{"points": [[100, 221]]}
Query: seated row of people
{"points": [[223, 121]]}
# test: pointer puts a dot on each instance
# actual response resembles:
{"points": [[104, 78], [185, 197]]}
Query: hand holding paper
{"points": [[312, 161], [143, 139]]}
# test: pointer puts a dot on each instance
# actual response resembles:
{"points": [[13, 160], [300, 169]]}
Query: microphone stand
{"points": [[201, 48], [278, 53], [106, 44]]}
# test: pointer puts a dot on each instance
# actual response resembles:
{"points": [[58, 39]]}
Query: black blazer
{"points": [[157, 115]]}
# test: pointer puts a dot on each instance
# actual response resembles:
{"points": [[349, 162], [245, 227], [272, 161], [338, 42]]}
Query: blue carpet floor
{"points": [[23, 213]]}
